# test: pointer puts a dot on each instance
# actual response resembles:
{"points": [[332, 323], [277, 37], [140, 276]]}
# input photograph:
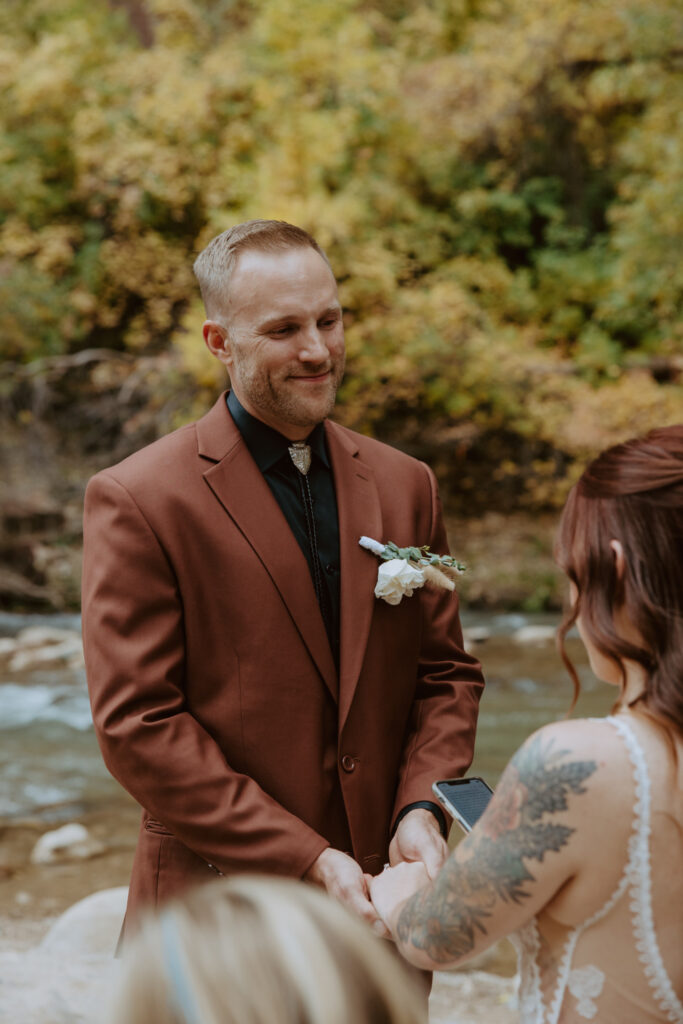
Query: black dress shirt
{"points": [[269, 450]]}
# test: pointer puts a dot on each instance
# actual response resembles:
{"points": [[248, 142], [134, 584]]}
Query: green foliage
{"points": [[497, 183]]}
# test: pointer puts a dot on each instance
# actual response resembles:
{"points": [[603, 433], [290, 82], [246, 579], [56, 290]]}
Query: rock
{"points": [[475, 635], [535, 635], [91, 926], [39, 657], [522, 684], [70, 842], [37, 646], [42, 988], [70, 976], [14, 587], [41, 636], [8, 645], [18, 518]]}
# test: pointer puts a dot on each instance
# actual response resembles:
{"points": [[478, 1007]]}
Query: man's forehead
{"points": [[291, 261], [282, 281]]}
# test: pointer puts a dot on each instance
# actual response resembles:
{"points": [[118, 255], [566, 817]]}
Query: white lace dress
{"points": [[580, 985]]}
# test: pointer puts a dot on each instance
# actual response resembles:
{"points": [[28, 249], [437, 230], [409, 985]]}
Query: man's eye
{"points": [[329, 322], [281, 332]]}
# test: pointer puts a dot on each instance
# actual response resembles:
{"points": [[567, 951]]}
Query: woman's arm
{"points": [[525, 847]]}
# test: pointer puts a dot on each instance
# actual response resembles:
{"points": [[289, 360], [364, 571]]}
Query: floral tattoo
{"points": [[443, 920]]}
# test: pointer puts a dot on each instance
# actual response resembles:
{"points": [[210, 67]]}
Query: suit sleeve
{"points": [[135, 659], [440, 737]]}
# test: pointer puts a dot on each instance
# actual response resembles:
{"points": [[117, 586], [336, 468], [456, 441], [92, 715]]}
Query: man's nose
{"points": [[313, 347]]}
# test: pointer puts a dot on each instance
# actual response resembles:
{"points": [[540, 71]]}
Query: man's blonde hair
{"points": [[256, 950], [215, 264]]}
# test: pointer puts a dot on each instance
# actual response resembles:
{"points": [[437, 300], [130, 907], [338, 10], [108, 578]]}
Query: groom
{"points": [[248, 689]]}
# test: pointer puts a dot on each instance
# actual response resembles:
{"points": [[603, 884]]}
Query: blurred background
{"points": [[499, 187]]}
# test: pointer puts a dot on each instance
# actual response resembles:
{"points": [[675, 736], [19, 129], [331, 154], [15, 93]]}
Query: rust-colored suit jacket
{"points": [[214, 693]]}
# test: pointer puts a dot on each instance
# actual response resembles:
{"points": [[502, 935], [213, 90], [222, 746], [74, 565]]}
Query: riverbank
{"points": [[75, 975], [508, 558], [56, 964], [62, 419], [54, 776]]}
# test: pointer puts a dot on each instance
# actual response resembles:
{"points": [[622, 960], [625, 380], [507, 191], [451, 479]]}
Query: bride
{"points": [[579, 855]]}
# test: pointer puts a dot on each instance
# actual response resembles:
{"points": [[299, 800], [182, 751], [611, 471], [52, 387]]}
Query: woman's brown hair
{"points": [[632, 493]]}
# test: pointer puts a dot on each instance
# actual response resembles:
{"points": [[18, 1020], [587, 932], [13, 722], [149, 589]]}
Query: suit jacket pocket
{"points": [[155, 826]]}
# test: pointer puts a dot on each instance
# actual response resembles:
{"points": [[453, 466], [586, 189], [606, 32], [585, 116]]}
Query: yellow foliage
{"points": [[195, 358], [497, 184]]}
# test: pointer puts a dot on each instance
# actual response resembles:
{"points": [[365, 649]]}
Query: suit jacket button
{"points": [[348, 763]]}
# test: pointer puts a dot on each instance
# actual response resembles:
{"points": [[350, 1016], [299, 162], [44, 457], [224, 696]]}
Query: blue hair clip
{"points": [[181, 992]]}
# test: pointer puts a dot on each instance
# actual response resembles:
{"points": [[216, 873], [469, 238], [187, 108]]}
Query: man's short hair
{"points": [[216, 263]]}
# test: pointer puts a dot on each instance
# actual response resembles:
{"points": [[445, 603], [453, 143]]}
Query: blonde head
{"points": [[216, 263], [251, 950]]}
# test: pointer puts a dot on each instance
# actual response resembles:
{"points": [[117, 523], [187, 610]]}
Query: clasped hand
{"points": [[416, 855]]}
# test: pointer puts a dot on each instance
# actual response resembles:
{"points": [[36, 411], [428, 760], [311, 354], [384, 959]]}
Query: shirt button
{"points": [[348, 763], [331, 568]]}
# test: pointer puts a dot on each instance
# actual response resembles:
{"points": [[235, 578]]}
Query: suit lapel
{"points": [[360, 514], [239, 485]]}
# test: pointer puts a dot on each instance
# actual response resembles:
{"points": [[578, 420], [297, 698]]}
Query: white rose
{"points": [[397, 578]]}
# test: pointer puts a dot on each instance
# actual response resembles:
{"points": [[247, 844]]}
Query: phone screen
{"points": [[464, 799]]}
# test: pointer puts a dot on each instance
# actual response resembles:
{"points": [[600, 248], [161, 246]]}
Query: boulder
{"points": [[70, 842], [70, 977], [16, 588], [8, 645], [43, 636], [38, 646], [91, 926], [535, 635], [475, 635]]}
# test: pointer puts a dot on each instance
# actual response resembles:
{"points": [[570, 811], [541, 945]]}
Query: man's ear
{"points": [[619, 559], [217, 342]]}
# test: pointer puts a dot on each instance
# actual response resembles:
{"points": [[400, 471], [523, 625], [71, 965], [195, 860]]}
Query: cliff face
{"points": [[61, 420], [64, 418]]}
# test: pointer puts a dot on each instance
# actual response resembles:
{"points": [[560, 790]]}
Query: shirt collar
{"points": [[266, 445]]}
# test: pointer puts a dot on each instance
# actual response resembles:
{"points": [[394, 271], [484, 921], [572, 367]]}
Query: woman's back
{"points": [[580, 850], [607, 947]]}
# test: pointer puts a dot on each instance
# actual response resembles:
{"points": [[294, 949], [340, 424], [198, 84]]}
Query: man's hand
{"points": [[418, 838], [343, 879], [394, 886]]}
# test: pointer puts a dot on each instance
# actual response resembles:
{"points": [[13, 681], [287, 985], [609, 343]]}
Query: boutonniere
{"points": [[403, 570]]}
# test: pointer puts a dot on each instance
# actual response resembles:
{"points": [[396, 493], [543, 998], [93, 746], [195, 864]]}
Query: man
{"points": [[268, 712]]}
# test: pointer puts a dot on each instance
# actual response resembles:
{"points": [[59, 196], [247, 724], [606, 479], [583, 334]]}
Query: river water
{"points": [[50, 766]]}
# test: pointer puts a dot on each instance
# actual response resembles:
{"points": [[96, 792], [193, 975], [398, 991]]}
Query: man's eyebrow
{"points": [[276, 321]]}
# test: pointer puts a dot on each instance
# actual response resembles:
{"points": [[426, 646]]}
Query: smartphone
{"points": [[464, 799]]}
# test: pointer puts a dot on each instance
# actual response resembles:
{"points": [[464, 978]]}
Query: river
{"points": [[50, 766]]}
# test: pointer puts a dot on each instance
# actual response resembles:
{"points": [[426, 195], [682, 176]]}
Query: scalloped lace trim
{"points": [[586, 983], [527, 943], [640, 888]]}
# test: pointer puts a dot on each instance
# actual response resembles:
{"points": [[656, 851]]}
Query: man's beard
{"points": [[277, 400]]}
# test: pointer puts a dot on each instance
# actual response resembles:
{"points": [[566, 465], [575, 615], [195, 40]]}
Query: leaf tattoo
{"points": [[443, 919]]}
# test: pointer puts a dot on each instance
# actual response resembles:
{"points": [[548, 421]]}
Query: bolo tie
{"points": [[300, 454]]}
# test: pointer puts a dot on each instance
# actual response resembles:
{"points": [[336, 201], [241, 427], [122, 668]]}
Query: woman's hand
{"points": [[390, 890]]}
